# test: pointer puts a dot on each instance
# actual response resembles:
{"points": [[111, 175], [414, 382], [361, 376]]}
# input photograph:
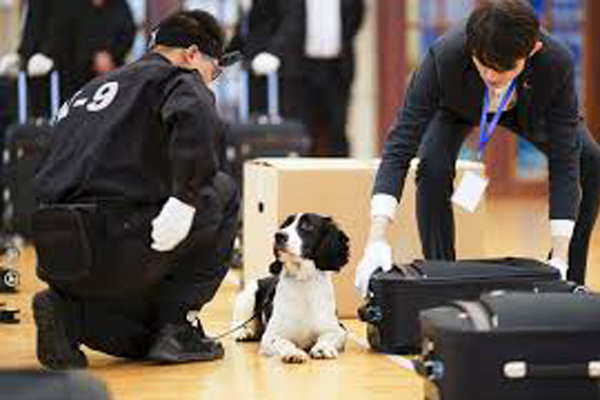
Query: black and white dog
{"points": [[302, 322]]}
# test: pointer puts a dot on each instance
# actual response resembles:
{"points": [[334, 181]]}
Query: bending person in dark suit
{"points": [[528, 75]]}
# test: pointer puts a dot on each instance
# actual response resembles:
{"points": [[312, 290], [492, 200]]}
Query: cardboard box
{"points": [[341, 188]]}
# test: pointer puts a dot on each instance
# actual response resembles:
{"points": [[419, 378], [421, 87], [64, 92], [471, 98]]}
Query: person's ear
{"points": [[190, 53], [537, 47]]}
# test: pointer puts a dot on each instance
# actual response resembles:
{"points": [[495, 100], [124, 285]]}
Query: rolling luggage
{"points": [[517, 346], [269, 135], [395, 298], [33, 384], [25, 145]]}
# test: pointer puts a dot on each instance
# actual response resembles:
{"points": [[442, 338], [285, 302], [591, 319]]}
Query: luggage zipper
{"points": [[479, 279], [411, 271]]}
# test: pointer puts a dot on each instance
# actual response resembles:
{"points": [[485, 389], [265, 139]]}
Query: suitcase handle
{"points": [[477, 313], [22, 97], [410, 271], [524, 370], [273, 114], [273, 97], [244, 106]]}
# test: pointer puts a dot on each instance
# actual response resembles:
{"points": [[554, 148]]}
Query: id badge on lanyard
{"points": [[472, 186]]}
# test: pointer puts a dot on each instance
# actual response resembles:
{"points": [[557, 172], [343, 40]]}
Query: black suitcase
{"points": [[32, 384], [517, 346], [25, 145], [395, 298], [267, 135]]}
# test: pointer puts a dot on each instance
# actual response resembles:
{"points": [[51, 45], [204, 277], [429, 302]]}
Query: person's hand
{"points": [[39, 65], [172, 224], [103, 62], [9, 64], [265, 63], [246, 5], [561, 265], [378, 254]]}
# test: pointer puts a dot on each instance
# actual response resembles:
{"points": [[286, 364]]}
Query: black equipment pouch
{"points": [[61, 242]]}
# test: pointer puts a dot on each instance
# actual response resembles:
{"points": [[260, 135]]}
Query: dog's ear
{"points": [[275, 267], [333, 249]]}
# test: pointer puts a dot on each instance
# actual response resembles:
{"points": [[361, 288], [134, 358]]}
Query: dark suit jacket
{"points": [[72, 31], [447, 81], [278, 27], [36, 28]]}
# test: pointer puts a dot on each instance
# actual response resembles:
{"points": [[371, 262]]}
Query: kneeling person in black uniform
{"points": [[137, 219]]}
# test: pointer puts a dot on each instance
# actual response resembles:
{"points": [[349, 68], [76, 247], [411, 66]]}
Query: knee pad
{"points": [[61, 242]]}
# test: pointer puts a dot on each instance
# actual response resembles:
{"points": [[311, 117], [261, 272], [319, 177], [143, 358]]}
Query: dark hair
{"points": [[499, 32], [187, 28]]}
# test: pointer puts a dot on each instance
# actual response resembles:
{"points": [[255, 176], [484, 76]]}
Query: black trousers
{"points": [[326, 97], [438, 153], [131, 290]]}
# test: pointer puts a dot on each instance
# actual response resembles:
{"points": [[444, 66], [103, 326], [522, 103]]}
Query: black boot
{"points": [[57, 327], [184, 343]]}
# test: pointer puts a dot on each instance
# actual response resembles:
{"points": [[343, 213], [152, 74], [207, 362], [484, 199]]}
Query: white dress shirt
{"points": [[323, 29]]}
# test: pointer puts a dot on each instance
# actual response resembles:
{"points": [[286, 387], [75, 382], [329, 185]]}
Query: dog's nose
{"points": [[281, 238]]}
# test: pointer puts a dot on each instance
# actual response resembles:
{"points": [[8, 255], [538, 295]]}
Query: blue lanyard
{"points": [[485, 130]]}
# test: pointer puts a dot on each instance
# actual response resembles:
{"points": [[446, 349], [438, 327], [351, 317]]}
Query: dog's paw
{"points": [[245, 334], [323, 351], [294, 356]]}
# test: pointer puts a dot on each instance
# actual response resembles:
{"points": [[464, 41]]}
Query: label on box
{"points": [[469, 192]]}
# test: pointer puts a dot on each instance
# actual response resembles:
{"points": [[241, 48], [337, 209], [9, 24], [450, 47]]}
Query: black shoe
{"points": [[57, 346], [184, 343]]}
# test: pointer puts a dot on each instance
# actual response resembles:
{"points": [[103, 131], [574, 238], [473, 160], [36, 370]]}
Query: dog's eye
{"points": [[288, 221], [306, 226]]}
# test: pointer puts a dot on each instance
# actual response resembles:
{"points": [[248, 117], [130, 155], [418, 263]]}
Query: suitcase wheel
{"points": [[10, 279]]}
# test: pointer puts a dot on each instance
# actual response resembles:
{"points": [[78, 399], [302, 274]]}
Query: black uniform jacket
{"points": [[139, 134], [448, 82]]}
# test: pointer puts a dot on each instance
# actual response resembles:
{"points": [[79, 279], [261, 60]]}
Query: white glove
{"points": [[246, 5], [9, 64], [265, 63], [377, 254], [172, 224], [561, 265], [39, 65]]}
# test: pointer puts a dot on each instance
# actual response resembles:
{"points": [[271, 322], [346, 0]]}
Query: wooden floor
{"points": [[517, 227]]}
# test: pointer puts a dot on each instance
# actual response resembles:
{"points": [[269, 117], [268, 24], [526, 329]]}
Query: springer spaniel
{"points": [[302, 321]]}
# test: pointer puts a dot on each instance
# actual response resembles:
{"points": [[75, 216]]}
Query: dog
{"points": [[302, 321]]}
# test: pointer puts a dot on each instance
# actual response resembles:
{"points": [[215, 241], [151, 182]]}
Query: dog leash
{"points": [[266, 302]]}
